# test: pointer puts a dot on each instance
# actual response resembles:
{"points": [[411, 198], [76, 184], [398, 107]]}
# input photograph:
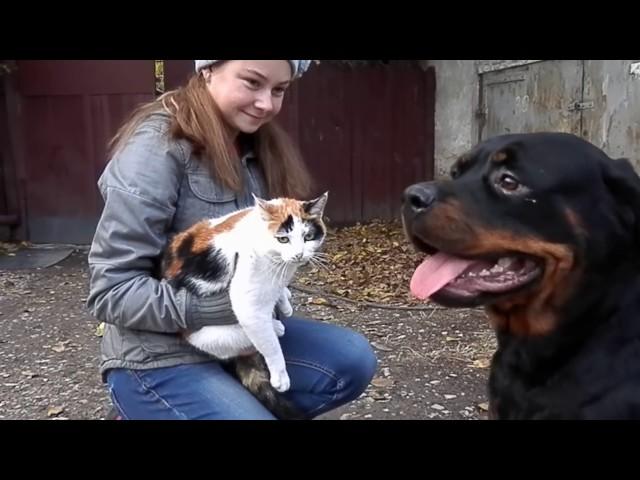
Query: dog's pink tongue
{"points": [[435, 272]]}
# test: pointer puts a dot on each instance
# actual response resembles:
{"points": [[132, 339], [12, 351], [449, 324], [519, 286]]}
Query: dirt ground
{"points": [[432, 362]]}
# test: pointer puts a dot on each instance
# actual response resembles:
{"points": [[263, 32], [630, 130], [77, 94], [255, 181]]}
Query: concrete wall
{"points": [[456, 103]]}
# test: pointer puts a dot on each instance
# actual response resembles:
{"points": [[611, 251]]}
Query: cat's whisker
{"points": [[274, 268], [321, 258], [322, 261], [317, 263], [278, 271], [272, 265], [281, 271]]}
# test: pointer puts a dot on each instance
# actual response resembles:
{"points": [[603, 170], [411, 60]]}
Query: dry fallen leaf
{"points": [[482, 363], [381, 347], [318, 301], [484, 406], [54, 411], [376, 395], [100, 330], [382, 382], [58, 348]]}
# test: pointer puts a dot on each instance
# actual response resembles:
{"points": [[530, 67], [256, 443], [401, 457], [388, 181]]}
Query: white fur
{"points": [[264, 269], [228, 340]]}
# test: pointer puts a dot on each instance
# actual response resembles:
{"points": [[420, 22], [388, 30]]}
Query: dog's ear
{"points": [[624, 184]]}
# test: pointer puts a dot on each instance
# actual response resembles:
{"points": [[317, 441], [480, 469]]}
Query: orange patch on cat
{"points": [[174, 269], [279, 213], [229, 223], [203, 232]]}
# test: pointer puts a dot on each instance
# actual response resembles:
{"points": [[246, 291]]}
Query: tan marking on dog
{"points": [[531, 312], [499, 157]]}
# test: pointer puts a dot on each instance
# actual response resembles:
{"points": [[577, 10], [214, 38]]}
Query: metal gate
{"points": [[596, 99], [62, 114]]}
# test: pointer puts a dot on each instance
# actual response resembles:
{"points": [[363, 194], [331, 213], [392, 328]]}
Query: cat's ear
{"points": [[316, 206], [259, 201]]}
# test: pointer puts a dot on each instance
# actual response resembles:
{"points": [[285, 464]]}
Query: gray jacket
{"points": [[152, 189]]}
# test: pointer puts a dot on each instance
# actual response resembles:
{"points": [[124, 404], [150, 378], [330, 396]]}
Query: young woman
{"points": [[201, 151]]}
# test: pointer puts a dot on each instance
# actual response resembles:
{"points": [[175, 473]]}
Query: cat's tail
{"points": [[253, 372]]}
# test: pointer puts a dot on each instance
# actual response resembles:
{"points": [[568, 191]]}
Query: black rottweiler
{"points": [[544, 230]]}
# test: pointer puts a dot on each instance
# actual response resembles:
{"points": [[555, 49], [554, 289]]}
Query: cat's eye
{"points": [[308, 237], [283, 239]]}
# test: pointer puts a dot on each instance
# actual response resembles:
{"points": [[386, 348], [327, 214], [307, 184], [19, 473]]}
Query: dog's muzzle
{"points": [[419, 197]]}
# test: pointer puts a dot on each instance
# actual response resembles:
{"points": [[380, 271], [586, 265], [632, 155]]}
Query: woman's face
{"points": [[249, 93]]}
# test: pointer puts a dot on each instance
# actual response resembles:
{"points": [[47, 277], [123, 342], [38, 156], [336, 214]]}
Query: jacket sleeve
{"points": [[140, 188]]}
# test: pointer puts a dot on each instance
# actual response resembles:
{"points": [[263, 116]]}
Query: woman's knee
{"points": [[359, 364]]}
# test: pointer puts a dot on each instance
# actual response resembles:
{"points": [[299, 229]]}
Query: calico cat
{"points": [[254, 253]]}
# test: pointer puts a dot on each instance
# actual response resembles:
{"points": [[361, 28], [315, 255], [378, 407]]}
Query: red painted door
{"points": [[66, 113]]}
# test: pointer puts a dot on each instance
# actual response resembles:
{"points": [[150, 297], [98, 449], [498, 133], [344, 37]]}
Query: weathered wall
{"points": [[456, 102], [608, 90], [613, 123]]}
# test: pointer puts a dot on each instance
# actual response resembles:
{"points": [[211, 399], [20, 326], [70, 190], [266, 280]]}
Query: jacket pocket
{"points": [[205, 189], [163, 345], [200, 198]]}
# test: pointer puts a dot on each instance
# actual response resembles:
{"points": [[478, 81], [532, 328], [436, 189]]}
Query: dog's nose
{"points": [[420, 196]]}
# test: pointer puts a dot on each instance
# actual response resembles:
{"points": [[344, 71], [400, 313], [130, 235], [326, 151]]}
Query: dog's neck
{"points": [[551, 332], [564, 292]]}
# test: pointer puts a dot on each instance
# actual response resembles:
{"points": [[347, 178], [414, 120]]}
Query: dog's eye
{"points": [[508, 182]]}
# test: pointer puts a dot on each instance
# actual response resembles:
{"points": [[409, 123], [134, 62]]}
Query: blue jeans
{"points": [[328, 366]]}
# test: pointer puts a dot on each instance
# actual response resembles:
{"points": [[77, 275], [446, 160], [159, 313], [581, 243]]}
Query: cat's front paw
{"points": [[278, 327], [284, 303], [280, 380], [286, 309]]}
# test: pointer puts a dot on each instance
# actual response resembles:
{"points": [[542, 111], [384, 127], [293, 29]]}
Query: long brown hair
{"points": [[196, 117]]}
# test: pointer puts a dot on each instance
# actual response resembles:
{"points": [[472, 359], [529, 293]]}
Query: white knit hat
{"points": [[298, 66]]}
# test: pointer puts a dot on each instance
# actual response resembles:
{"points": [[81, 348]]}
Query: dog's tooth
{"points": [[484, 273], [505, 261]]}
